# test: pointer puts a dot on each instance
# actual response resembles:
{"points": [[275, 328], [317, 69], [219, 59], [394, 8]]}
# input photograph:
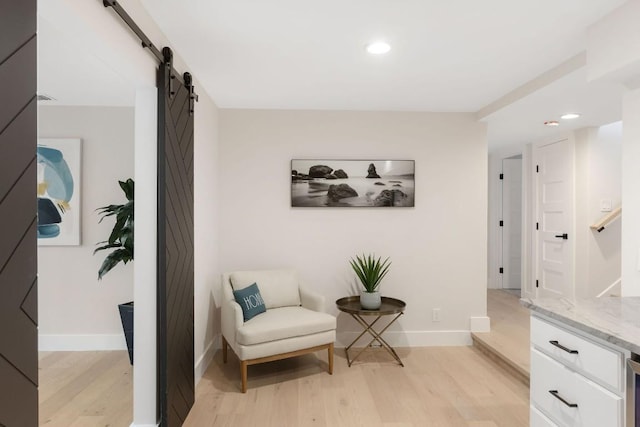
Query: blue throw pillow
{"points": [[250, 300]]}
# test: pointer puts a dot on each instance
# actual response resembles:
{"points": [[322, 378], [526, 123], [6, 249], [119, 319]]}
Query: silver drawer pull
{"points": [[561, 399], [561, 347]]}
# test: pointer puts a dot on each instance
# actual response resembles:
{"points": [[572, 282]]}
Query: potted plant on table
{"points": [[121, 243], [370, 271]]}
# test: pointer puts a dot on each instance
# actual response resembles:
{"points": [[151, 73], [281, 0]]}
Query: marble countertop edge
{"points": [[613, 319]]}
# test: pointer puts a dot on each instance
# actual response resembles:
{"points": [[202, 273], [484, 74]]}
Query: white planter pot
{"points": [[370, 300]]}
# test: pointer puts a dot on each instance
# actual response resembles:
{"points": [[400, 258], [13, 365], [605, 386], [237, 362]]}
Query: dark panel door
{"points": [[18, 263], [175, 247]]}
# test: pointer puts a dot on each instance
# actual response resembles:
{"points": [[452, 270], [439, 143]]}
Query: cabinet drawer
{"points": [[601, 364], [538, 419], [596, 407]]}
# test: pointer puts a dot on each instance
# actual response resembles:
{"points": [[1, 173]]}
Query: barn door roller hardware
{"points": [[147, 44], [192, 95]]}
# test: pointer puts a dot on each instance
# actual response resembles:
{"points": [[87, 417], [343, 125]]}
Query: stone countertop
{"points": [[613, 319]]}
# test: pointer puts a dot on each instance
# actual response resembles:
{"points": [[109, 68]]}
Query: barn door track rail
{"points": [[165, 57]]}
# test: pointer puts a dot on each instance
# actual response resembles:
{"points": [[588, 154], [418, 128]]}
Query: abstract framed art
{"points": [[352, 183], [59, 192]]}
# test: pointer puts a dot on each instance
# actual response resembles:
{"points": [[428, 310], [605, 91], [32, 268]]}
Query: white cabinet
{"points": [[575, 381], [570, 398], [605, 365], [538, 419]]}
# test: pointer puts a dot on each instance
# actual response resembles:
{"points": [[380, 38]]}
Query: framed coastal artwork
{"points": [[352, 183], [58, 162]]}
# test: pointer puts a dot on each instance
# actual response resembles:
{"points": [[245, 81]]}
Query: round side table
{"points": [[389, 307]]}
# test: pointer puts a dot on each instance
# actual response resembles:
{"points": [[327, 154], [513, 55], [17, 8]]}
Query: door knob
{"points": [[563, 236]]}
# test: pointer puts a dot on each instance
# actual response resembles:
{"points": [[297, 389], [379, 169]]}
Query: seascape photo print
{"points": [[357, 183]]}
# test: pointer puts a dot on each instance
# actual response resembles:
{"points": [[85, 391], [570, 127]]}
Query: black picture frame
{"points": [[352, 183]]}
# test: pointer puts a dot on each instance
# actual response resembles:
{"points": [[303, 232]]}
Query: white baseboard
{"points": [[205, 359], [50, 342], [480, 324], [410, 339], [143, 425]]}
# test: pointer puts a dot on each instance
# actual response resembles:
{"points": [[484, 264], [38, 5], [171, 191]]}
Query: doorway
{"points": [[85, 377], [512, 224], [554, 218]]}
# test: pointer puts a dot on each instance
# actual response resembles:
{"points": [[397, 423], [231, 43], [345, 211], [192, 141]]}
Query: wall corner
{"points": [[480, 324]]}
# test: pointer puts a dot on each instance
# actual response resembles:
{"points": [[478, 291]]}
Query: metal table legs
{"points": [[377, 336]]}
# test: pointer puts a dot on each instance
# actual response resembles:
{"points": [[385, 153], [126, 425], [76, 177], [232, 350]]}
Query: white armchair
{"points": [[293, 324]]}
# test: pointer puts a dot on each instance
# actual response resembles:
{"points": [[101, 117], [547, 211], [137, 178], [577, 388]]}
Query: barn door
{"points": [[175, 245], [18, 263]]}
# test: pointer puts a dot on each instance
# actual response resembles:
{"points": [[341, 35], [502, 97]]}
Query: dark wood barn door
{"points": [[175, 245], [18, 263]]}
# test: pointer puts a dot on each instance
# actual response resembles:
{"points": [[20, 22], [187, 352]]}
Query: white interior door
{"points": [[555, 219], [512, 225]]}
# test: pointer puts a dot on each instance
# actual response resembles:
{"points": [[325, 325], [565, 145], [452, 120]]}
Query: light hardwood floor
{"points": [[508, 340], [439, 386], [85, 389]]}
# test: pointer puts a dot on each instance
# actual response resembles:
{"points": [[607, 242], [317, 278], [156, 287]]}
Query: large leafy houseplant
{"points": [[121, 237], [370, 270], [121, 243]]}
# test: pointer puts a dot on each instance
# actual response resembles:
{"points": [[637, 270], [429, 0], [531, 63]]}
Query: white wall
{"points": [[438, 248], [631, 194], [145, 372], [598, 178], [613, 45], [75, 310], [207, 245], [613, 53]]}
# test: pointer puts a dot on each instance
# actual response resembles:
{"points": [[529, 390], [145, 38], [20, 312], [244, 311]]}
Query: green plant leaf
{"points": [[370, 271], [108, 246], [119, 255], [121, 236], [127, 187]]}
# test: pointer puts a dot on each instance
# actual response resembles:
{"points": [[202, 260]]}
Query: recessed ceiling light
{"points": [[570, 116], [378, 48], [552, 123]]}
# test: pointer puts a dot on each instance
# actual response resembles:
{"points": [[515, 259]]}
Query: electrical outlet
{"points": [[435, 315]]}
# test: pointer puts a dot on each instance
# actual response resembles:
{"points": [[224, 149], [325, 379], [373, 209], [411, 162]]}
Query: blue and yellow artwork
{"points": [[58, 199]]}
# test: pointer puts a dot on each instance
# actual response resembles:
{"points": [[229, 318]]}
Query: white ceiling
{"points": [[456, 55], [522, 121], [72, 75]]}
